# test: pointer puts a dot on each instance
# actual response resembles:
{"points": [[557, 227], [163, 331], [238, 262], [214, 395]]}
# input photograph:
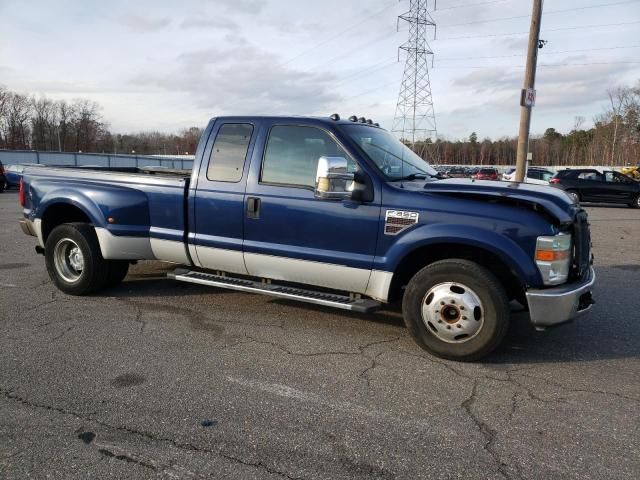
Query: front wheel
{"points": [[456, 309], [635, 203]]}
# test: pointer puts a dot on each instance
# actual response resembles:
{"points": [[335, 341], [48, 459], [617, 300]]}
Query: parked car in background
{"points": [[509, 175], [535, 175], [486, 174], [472, 171], [3, 180], [12, 175], [457, 172], [590, 185]]}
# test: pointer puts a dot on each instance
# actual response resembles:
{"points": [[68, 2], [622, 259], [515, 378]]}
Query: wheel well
{"points": [[60, 213], [421, 257]]}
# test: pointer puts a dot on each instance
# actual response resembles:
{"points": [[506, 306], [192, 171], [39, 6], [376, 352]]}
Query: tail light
{"points": [[1, 168], [554, 180], [21, 194]]}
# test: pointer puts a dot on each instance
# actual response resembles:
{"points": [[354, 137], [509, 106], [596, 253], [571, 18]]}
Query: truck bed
{"points": [[138, 213]]}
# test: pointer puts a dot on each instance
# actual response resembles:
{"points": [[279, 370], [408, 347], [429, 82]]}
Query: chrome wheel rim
{"points": [[574, 196], [68, 260], [452, 312]]}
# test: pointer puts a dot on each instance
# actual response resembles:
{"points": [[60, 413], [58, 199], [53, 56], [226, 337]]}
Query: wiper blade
{"points": [[412, 176]]}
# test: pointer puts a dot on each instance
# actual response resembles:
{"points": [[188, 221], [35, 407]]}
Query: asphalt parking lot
{"points": [[160, 379]]}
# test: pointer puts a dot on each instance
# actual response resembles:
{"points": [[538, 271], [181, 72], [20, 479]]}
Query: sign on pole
{"points": [[528, 98]]}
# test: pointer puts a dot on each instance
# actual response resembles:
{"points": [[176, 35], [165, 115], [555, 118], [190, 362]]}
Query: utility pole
{"points": [[527, 99]]}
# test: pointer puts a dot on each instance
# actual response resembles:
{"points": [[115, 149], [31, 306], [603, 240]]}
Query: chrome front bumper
{"points": [[550, 306]]}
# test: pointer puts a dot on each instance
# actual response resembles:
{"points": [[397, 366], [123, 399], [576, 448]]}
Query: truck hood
{"points": [[553, 200]]}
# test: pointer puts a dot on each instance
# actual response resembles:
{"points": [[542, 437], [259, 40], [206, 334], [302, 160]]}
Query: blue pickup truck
{"points": [[336, 212]]}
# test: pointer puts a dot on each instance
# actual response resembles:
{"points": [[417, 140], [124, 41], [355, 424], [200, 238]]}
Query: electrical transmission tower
{"points": [[415, 118]]}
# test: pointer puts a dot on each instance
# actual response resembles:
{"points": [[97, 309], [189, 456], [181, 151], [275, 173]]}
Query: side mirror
{"points": [[333, 181]]}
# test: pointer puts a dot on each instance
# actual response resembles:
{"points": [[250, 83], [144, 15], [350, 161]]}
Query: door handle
{"points": [[253, 207]]}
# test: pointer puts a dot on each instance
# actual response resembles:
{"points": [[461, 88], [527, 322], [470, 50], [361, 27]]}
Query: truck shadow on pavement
{"points": [[609, 330]]}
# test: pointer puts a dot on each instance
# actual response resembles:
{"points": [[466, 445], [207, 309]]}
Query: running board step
{"points": [[292, 293]]}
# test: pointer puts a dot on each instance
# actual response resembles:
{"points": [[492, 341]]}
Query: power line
{"points": [[369, 69], [549, 12], [543, 53], [339, 34], [471, 5], [585, 64], [464, 67], [513, 34], [378, 66], [346, 53], [369, 91]]}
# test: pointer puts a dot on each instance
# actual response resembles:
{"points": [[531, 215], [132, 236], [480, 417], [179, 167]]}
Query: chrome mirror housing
{"points": [[333, 181]]}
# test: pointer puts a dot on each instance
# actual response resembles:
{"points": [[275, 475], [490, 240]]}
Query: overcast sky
{"points": [[165, 65]]}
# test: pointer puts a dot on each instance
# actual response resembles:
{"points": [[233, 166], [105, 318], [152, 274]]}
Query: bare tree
{"points": [[42, 124], [18, 114]]}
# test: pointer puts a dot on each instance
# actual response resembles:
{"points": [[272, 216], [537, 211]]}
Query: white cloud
{"points": [[144, 23], [159, 64], [215, 79]]}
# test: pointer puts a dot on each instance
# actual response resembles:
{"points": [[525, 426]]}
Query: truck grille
{"points": [[581, 259]]}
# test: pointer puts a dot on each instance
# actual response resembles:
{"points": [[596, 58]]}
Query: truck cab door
{"points": [[292, 235], [217, 211]]}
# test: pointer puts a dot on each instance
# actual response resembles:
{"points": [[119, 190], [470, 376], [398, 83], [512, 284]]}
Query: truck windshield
{"points": [[394, 159]]}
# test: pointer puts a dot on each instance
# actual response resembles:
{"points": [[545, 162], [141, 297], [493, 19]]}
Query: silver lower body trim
{"points": [[169, 251], [328, 275], [551, 306], [114, 247], [33, 228], [379, 285], [222, 259]]}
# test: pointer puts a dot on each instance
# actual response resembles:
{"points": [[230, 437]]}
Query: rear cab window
{"points": [[229, 152]]}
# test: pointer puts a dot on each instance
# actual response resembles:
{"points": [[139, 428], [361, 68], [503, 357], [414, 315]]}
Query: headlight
{"points": [[553, 257]]}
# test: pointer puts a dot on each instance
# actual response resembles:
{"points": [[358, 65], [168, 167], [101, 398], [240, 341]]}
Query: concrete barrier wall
{"points": [[555, 168], [9, 157]]}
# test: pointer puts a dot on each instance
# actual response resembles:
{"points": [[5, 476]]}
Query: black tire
{"points": [[118, 269], [494, 314], [635, 203], [95, 271], [3, 186]]}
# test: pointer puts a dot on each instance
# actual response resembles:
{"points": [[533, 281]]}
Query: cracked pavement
{"points": [[158, 379]]}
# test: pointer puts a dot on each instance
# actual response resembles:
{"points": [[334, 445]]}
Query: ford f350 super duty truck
{"points": [[330, 211]]}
